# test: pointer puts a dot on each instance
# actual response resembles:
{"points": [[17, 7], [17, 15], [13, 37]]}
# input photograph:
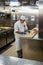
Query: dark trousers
{"points": [[19, 53]]}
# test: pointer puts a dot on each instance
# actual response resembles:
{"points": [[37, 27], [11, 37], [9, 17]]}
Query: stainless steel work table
{"points": [[35, 37], [8, 60], [32, 47]]}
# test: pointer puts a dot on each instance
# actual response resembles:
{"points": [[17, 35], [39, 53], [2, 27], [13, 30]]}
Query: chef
{"points": [[20, 27]]}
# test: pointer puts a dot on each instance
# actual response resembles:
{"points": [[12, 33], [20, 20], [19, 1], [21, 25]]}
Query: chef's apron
{"points": [[17, 42], [17, 39]]}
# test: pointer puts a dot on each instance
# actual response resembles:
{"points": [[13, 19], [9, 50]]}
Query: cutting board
{"points": [[31, 34]]}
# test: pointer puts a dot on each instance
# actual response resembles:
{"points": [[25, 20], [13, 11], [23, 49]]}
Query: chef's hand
{"points": [[23, 32]]}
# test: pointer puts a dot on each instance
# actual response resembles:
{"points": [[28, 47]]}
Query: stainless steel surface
{"points": [[2, 39], [41, 20], [32, 47], [28, 11], [8, 60], [36, 37], [6, 36], [10, 36], [5, 19]]}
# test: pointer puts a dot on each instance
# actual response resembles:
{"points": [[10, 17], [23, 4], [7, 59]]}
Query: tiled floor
{"points": [[9, 50]]}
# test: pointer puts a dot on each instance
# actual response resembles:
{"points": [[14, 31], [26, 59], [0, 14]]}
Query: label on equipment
{"points": [[32, 18]]}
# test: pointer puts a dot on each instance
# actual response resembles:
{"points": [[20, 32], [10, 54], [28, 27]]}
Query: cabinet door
{"points": [[10, 36], [2, 39]]}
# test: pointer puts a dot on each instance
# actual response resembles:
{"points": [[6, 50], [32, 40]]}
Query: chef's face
{"points": [[22, 21]]}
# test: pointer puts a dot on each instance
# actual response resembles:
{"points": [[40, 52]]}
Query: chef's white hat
{"points": [[22, 17]]}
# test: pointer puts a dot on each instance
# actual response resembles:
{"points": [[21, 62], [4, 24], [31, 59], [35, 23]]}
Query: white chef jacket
{"points": [[19, 27]]}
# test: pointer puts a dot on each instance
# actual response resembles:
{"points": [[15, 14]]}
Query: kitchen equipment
{"points": [[41, 20], [2, 39]]}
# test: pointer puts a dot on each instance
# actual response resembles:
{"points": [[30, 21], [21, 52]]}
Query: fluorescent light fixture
{"points": [[14, 3]]}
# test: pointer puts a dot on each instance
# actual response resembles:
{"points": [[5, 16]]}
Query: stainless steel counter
{"points": [[32, 47], [8, 60], [6, 36], [5, 29], [33, 38]]}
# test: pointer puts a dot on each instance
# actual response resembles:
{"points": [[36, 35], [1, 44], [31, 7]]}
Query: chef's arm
{"points": [[16, 29], [18, 32]]}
